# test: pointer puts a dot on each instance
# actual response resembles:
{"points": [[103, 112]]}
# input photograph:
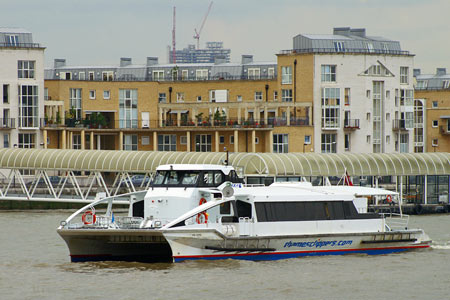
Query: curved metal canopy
{"points": [[265, 164]]}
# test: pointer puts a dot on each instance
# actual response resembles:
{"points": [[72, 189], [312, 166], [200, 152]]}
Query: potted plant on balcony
{"points": [[101, 120], [58, 118], [198, 117]]}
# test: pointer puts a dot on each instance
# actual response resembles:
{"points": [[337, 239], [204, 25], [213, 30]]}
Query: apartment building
{"points": [[172, 107], [432, 98], [361, 88], [344, 91], [21, 89]]}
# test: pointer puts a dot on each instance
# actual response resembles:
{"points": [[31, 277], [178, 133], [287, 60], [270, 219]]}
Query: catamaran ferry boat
{"points": [[206, 212]]}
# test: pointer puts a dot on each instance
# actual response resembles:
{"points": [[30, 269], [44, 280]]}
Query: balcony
{"points": [[330, 124], [7, 123], [351, 124], [399, 124], [444, 130]]}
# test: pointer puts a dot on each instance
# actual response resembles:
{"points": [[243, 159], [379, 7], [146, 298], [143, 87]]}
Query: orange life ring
{"points": [[88, 213], [389, 199], [198, 219]]}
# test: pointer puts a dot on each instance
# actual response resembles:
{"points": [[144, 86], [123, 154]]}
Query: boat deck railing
{"points": [[396, 221]]}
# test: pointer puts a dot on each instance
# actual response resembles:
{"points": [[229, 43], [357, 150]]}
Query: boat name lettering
{"points": [[316, 244]]}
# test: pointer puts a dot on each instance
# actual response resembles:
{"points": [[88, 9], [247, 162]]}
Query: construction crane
{"points": [[174, 56], [197, 33]]}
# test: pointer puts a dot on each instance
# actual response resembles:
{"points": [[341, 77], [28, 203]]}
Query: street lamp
{"points": [[226, 160]]}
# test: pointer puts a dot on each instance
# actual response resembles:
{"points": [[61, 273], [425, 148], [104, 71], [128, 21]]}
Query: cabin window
{"points": [[244, 209]]}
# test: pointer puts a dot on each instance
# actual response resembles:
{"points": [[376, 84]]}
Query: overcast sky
{"points": [[99, 32]]}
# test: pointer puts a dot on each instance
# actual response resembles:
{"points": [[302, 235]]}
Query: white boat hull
{"points": [[210, 244]]}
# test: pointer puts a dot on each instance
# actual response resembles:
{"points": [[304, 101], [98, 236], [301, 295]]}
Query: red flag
{"points": [[347, 180]]}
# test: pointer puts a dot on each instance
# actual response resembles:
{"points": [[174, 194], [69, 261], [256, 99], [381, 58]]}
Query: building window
{"points": [[330, 108], [404, 75], [183, 140], [145, 140], [421, 84], [12, 40], [388, 117], [91, 76], [167, 142], [388, 94], [280, 143], [434, 142], [339, 46], [130, 142], [328, 143], [258, 96], [368, 94], [75, 102], [199, 98], [347, 142], [239, 98], [254, 73], [203, 143], [232, 139], [162, 98], [82, 76], [106, 95], [435, 104], [128, 113], [108, 75], [286, 75], [435, 123], [388, 139], [445, 84], [184, 74], [275, 95], [26, 140], [92, 94], [404, 144], [180, 97], [221, 139], [201, 74], [28, 106], [347, 96], [368, 139], [158, 75], [256, 140], [270, 73], [6, 140], [6, 93], [26, 68], [368, 116], [76, 141], [307, 139], [286, 95], [328, 73]]}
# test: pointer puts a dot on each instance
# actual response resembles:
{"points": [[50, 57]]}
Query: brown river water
{"points": [[35, 264]]}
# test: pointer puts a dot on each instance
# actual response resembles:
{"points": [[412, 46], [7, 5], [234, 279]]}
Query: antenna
{"points": [[174, 57], [197, 33]]}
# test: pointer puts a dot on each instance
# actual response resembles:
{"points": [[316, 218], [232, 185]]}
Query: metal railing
{"points": [[345, 50], [20, 45], [399, 124], [396, 221], [351, 123], [7, 123]]}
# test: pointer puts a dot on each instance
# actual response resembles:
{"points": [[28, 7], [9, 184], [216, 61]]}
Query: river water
{"points": [[35, 264]]}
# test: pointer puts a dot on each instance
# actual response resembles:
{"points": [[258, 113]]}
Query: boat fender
{"points": [[389, 199], [90, 220], [199, 218]]}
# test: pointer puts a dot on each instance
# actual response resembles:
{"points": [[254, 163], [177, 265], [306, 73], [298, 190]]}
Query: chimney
{"points": [[361, 32], [416, 72], [152, 61], [341, 31], [219, 59], [246, 59], [59, 62], [441, 71], [125, 61]]}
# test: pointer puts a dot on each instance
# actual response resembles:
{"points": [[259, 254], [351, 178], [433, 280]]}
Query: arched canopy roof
{"points": [[265, 164]]}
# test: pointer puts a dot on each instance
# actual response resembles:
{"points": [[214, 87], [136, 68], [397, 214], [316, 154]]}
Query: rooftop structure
{"points": [[438, 81]]}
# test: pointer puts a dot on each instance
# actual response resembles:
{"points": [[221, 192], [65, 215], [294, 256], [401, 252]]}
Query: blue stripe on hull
{"points": [[284, 255]]}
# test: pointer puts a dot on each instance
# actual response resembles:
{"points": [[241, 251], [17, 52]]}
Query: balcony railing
{"points": [[7, 123], [345, 50], [444, 130], [399, 124], [20, 45], [351, 123]]}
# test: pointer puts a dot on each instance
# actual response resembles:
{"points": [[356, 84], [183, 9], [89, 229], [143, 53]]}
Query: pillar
{"points": [[217, 141], [253, 141], [44, 137], [288, 116], [155, 141], [239, 116], [178, 119], [266, 115], [188, 141], [121, 140], [236, 141], [63, 139], [83, 139], [91, 140], [99, 144], [160, 117]]}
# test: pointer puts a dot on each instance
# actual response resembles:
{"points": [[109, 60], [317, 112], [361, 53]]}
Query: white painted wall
{"points": [[350, 68]]}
